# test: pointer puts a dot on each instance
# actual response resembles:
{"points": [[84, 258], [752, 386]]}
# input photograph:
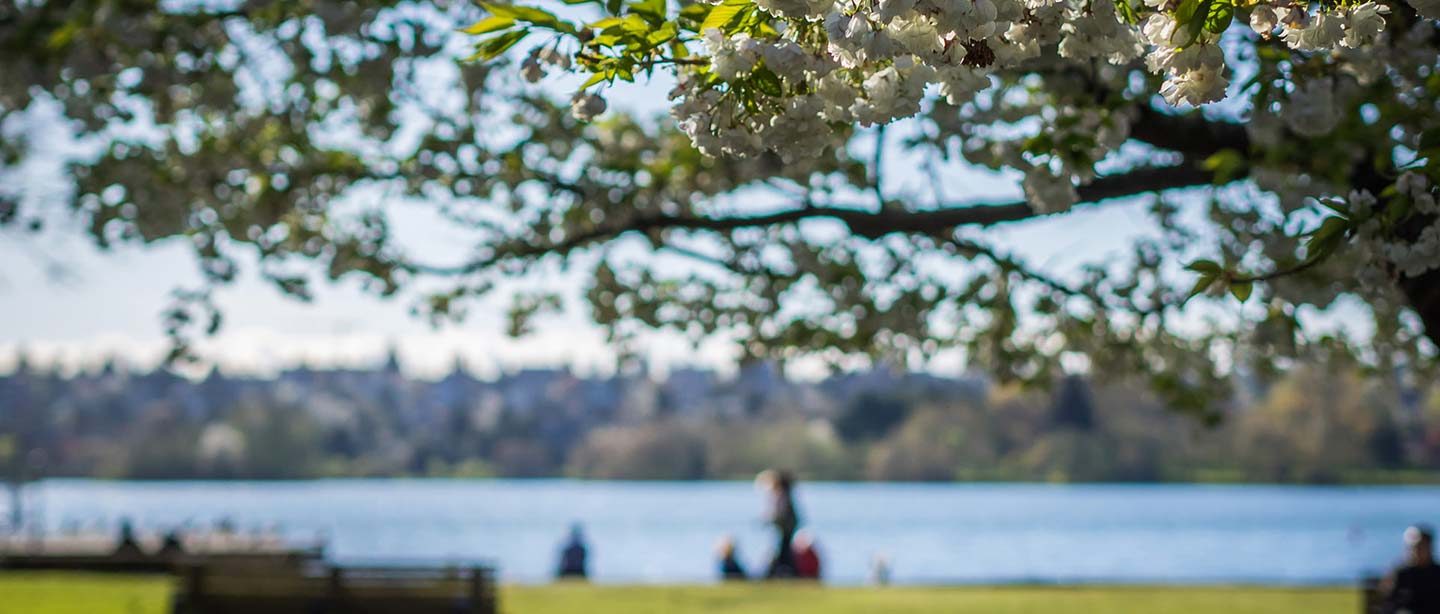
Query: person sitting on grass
{"points": [[1414, 588], [173, 545], [730, 568], [572, 556], [128, 546], [807, 558]]}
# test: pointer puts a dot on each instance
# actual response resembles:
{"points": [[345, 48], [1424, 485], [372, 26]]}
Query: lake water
{"points": [[666, 532]]}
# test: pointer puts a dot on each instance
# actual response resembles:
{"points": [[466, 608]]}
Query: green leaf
{"points": [[1242, 290], [595, 78], [491, 49], [1226, 164], [1205, 267], [695, 12], [1186, 11], [606, 23], [1341, 209], [530, 14], [636, 26], [724, 13], [1331, 226], [652, 10], [1201, 285], [1219, 16], [489, 24], [1127, 12], [662, 35], [606, 40], [524, 13], [1190, 21], [1326, 238], [767, 81]]}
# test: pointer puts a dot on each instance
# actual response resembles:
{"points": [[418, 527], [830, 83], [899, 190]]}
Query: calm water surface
{"points": [[666, 532]]}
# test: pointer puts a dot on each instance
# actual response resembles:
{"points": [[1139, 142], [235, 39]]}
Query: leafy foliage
{"points": [[291, 133]]}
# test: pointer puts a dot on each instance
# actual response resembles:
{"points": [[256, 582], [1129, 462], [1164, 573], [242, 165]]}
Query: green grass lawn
{"points": [[74, 593], [764, 599], [51, 593]]}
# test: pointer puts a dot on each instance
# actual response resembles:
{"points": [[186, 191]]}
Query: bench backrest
{"points": [[221, 589]]}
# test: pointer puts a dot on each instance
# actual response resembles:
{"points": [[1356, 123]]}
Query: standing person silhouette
{"points": [[779, 487], [1414, 588]]}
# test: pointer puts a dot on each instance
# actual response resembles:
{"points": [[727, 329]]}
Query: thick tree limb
{"points": [[1423, 293], [1190, 134], [868, 223]]}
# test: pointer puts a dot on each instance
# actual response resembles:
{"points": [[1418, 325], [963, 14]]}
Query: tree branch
{"points": [[878, 170], [1190, 134], [867, 223]]}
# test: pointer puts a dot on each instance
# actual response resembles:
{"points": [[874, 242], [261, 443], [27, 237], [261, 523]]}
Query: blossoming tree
{"points": [[1310, 126]]}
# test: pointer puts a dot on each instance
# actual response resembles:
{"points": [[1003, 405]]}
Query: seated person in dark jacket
{"points": [[572, 556], [1414, 588], [173, 545], [730, 568]]}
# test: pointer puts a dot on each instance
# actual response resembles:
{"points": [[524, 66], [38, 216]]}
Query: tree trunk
{"points": [[1424, 295]]}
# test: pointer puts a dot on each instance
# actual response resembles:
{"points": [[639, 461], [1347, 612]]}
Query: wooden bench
{"points": [[246, 589]]}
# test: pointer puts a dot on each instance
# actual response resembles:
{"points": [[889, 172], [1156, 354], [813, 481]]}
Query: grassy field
{"points": [[56, 593], [91, 594], [762, 599]]}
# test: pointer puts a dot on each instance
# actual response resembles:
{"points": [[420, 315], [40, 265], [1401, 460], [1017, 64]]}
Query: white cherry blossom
{"points": [[586, 107]]}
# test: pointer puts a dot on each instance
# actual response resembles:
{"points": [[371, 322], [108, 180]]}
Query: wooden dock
{"points": [[101, 553], [231, 573]]}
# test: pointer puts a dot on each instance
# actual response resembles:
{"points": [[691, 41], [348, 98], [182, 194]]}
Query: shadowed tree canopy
{"points": [[1295, 206]]}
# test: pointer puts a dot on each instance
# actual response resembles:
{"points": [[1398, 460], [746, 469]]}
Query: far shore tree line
{"points": [[1315, 425]]}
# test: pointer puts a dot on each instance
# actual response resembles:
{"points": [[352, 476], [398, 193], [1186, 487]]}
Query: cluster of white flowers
{"points": [[1311, 109], [832, 63], [877, 59], [1416, 257], [871, 62], [1194, 73], [732, 58], [1323, 30], [796, 9], [586, 107], [1095, 31], [1376, 246], [795, 128], [1049, 192]]}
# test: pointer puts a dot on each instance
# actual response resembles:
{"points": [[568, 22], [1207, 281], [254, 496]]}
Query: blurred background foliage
{"points": [[1318, 424]]}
